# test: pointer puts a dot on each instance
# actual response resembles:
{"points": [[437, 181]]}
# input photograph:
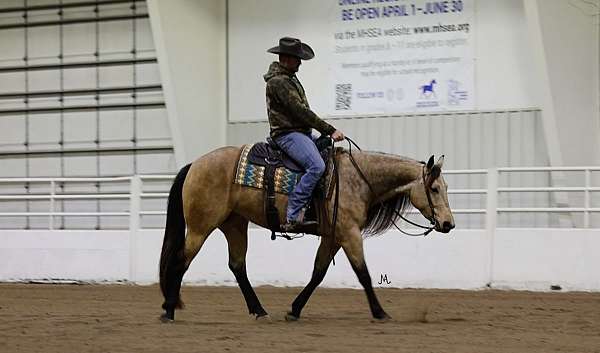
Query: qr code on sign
{"points": [[343, 96]]}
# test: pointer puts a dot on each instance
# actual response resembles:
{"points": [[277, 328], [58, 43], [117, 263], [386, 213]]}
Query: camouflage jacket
{"points": [[287, 107]]}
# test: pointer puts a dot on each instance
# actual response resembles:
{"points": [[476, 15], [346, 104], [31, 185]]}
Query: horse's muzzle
{"points": [[447, 227]]}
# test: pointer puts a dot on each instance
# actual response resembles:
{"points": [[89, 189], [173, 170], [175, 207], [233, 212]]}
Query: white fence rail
{"points": [[139, 196]]}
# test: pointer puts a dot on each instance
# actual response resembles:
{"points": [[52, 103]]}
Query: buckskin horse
{"points": [[373, 190]]}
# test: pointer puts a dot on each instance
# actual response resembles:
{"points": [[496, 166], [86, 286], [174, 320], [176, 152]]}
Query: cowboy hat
{"points": [[293, 47]]}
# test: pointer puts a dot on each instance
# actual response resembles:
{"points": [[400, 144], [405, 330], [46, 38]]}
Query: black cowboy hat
{"points": [[293, 47]]}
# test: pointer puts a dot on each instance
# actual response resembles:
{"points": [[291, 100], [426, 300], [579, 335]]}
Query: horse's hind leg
{"points": [[193, 243], [353, 247], [235, 229], [325, 253], [194, 240]]}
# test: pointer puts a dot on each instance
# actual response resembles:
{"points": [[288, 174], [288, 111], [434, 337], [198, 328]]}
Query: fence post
{"points": [[52, 204], [134, 223], [491, 215], [587, 203]]}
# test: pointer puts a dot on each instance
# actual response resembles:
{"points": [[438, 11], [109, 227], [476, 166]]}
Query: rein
{"points": [[337, 198], [427, 192]]}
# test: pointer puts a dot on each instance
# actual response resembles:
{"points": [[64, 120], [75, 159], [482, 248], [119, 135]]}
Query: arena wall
{"points": [[503, 62], [190, 39], [529, 259], [538, 104]]}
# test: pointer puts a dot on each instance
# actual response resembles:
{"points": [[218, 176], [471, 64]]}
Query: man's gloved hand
{"points": [[337, 135]]}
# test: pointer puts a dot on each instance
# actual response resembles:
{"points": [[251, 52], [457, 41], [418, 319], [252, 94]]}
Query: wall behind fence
{"points": [[503, 64], [469, 140], [80, 91]]}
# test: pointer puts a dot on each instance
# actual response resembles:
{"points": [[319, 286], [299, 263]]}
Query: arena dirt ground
{"points": [[124, 318]]}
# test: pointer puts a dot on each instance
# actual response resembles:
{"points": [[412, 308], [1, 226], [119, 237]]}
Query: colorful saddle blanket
{"points": [[249, 174]]}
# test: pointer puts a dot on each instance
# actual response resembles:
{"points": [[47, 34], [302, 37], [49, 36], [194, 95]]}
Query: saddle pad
{"points": [[248, 174]]}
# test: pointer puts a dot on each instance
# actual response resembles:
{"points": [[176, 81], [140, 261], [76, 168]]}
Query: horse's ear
{"points": [[430, 163], [433, 171], [440, 162]]}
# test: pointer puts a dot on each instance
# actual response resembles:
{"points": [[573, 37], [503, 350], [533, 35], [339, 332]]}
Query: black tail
{"points": [[171, 257]]}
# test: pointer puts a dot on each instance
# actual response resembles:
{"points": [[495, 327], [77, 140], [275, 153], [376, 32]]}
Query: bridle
{"points": [[427, 192]]}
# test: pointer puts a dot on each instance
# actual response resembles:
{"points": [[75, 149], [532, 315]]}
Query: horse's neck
{"points": [[386, 172]]}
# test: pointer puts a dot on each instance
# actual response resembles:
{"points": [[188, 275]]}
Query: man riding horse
{"points": [[291, 121], [374, 189]]}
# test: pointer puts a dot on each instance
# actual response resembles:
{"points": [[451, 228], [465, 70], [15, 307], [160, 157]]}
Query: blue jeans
{"points": [[302, 149]]}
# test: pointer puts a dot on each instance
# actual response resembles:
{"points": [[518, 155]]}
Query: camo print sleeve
{"points": [[288, 97]]}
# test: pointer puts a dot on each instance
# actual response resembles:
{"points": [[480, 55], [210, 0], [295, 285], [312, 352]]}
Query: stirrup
{"points": [[294, 226]]}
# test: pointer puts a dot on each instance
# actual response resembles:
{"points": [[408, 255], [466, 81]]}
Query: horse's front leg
{"points": [[353, 247], [326, 252]]}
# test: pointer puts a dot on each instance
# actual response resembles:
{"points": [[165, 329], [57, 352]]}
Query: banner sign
{"points": [[399, 56]]}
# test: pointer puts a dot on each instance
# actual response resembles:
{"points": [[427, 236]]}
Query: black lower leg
{"points": [[365, 280], [302, 298], [324, 256], [254, 306]]}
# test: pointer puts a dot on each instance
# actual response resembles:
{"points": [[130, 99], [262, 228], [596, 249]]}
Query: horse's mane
{"points": [[382, 216]]}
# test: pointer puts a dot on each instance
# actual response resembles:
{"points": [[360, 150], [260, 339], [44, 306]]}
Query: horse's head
{"points": [[430, 196]]}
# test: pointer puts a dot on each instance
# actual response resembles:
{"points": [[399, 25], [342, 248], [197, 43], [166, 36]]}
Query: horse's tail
{"points": [[171, 257]]}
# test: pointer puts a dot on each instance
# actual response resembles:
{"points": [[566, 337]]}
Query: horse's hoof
{"points": [[263, 318], [382, 319], [168, 316], [291, 317], [165, 319]]}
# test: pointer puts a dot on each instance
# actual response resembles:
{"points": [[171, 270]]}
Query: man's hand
{"points": [[337, 135]]}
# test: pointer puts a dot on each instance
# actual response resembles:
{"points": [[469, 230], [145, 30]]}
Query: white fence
{"points": [[134, 198], [130, 212]]}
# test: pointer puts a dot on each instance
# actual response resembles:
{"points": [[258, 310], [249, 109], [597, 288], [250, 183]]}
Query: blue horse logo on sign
{"points": [[427, 90]]}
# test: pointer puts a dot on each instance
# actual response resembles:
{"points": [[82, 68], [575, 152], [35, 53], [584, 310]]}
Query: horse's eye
{"points": [[435, 190]]}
